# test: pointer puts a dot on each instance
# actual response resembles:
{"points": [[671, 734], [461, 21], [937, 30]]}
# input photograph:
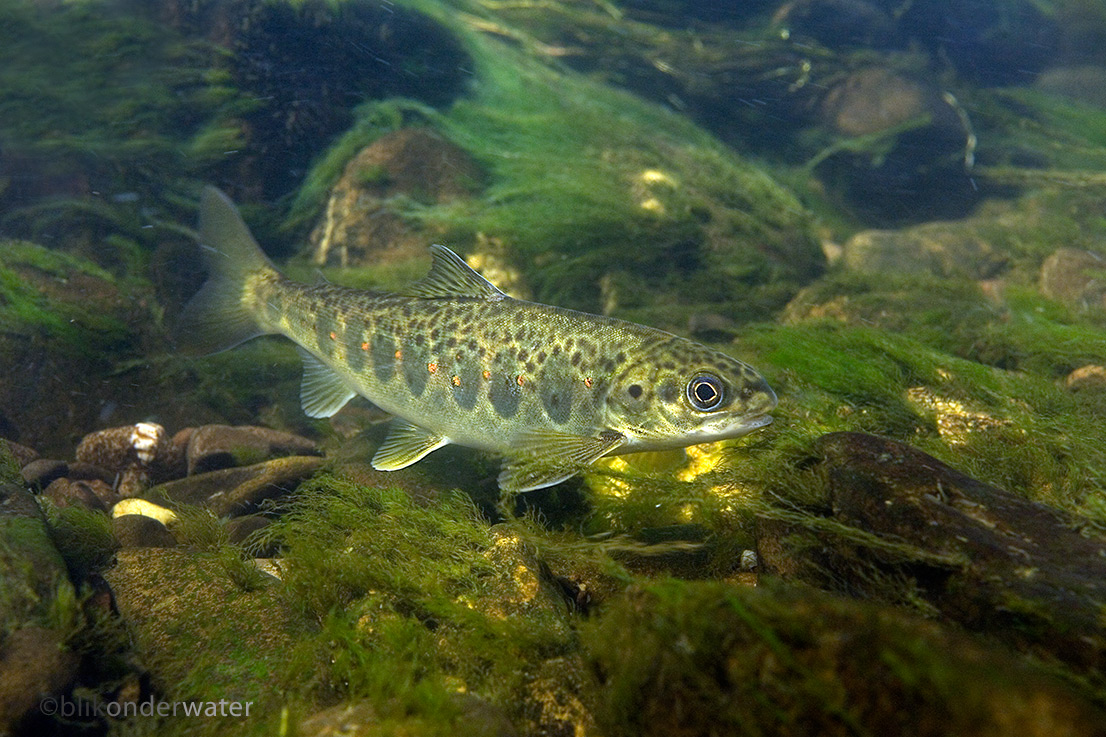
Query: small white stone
{"points": [[145, 508], [749, 560], [145, 438]]}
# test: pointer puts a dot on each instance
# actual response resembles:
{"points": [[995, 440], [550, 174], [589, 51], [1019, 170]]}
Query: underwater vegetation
{"points": [[914, 546]]}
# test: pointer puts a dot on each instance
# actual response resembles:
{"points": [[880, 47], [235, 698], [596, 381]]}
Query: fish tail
{"points": [[222, 314]]}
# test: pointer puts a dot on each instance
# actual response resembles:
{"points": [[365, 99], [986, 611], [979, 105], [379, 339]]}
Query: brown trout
{"points": [[456, 360]]}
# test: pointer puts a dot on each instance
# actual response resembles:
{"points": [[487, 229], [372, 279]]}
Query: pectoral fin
{"points": [[322, 392], [405, 444], [548, 458]]}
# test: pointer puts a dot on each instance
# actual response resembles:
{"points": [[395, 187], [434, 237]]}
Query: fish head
{"points": [[682, 393]]}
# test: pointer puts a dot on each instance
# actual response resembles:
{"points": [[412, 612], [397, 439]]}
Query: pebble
{"points": [[22, 454], [1086, 378], [237, 491], [65, 492], [140, 454], [140, 531], [1075, 277], [214, 447], [145, 508], [239, 530], [41, 472]]}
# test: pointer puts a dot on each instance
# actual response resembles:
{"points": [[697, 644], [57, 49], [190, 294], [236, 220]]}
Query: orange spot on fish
{"points": [[333, 335], [432, 367], [588, 382], [487, 375], [364, 346], [456, 380], [520, 380], [399, 355]]}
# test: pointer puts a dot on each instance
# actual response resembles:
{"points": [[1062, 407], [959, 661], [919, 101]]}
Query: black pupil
{"points": [[635, 390], [705, 392]]}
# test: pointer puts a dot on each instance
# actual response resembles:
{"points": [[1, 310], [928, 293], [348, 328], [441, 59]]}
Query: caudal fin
{"points": [[220, 315]]}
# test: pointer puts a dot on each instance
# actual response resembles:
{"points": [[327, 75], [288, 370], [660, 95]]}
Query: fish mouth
{"points": [[723, 431], [754, 423]]}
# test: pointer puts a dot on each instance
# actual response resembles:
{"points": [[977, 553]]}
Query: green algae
{"points": [[430, 599], [678, 657], [26, 306], [585, 180]]}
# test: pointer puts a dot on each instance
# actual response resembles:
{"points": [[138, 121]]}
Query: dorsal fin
{"points": [[450, 276]]}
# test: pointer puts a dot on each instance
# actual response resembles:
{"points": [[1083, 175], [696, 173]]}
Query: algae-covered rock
{"points": [[1075, 277], [1023, 572], [37, 603], [201, 633], [233, 491], [713, 658], [62, 317], [942, 249], [359, 229]]}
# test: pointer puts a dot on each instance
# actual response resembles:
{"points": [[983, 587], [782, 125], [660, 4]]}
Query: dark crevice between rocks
{"points": [[308, 65]]}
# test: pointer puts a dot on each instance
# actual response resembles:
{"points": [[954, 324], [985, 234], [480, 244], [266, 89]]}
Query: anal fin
{"points": [[405, 444], [322, 392], [548, 458]]}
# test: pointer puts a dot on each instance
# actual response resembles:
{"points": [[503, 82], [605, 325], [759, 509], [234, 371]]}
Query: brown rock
{"points": [[65, 492], [1075, 277], [139, 454], [40, 472], [943, 249], [993, 561], [22, 454], [1086, 378], [213, 447], [360, 228], [877, 99], [140, 531], [34, 665], [235, 491], [239, 530]]}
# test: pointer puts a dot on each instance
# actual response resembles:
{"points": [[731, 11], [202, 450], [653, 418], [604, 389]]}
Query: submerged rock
{"points": [[942, 249], [213, 447], [360, 227], [40, 472], [234, 491], [993, 561], [22, 454], [1075, 277], [34, 592], [138, 454], [689, 658], [140, 531], [94, 495]]}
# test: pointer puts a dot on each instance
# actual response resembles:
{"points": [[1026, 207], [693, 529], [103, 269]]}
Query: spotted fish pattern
{"points": [[458, 361]]}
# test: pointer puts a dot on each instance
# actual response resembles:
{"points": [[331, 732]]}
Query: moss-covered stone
{"points": [[703, 658]]}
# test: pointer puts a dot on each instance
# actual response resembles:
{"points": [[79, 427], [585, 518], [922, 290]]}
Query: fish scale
{"points": [[457, 361]]}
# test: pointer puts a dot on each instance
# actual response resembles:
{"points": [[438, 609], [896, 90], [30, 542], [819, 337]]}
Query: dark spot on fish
{"points": [[541, 356], [557, 405], [576, 358], [504, 394], [451, 343], [523, 354], [416, 375], [621, 357], [383, 357], [435, 334]]}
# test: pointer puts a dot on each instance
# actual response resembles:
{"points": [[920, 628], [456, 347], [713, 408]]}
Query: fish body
{"points": [[458, 361]]}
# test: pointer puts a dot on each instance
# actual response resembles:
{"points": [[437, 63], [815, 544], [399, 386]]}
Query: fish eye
{"points": [[705, 392], [635, 390]]}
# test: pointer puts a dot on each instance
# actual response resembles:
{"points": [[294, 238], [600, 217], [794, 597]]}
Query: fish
{"points": [[455, 360]]}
